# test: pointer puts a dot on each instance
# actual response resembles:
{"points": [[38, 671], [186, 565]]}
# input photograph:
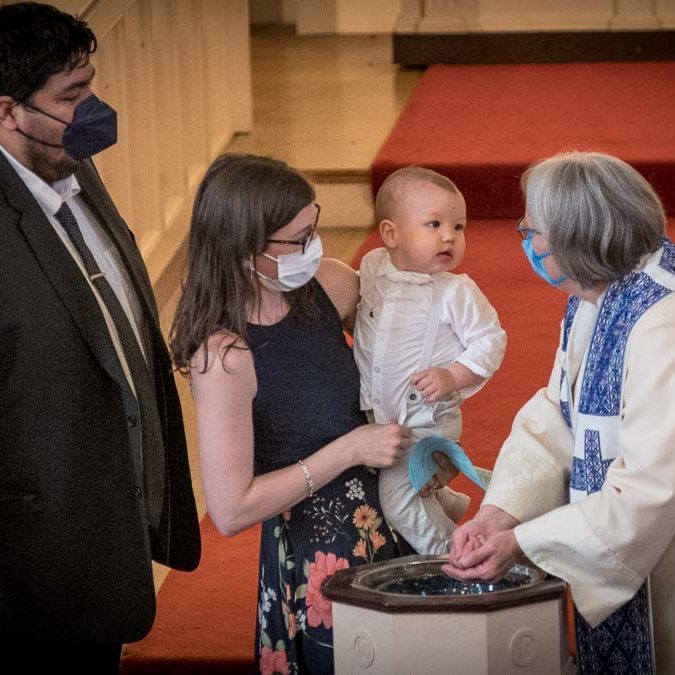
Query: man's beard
{"points": [[40, 161], [43, 154]]}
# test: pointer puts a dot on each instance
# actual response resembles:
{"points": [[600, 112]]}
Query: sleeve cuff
{"points": [[563, 544]]}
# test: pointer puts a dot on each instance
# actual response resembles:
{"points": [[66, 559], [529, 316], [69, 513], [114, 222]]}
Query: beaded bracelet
{"points": [[308, 478]]}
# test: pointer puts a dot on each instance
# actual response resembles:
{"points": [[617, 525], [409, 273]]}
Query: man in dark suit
{"points": [[94, 476]]}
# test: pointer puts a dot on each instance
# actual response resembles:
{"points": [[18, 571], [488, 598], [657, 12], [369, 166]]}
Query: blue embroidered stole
{"points": [[622, 643]]}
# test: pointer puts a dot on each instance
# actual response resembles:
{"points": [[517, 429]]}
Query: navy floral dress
{"points": [[308, 395]]}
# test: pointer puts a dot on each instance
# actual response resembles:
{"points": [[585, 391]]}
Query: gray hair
{"points": [[394, 186], [600, 215]]}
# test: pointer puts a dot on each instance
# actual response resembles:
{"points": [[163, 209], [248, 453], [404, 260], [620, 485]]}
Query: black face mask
{"points": [[93, 128]]}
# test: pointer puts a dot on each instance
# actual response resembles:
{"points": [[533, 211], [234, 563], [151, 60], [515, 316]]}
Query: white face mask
{"points": [[294, 269]]}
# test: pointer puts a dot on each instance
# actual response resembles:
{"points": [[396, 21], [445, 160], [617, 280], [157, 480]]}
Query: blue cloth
{"points": [[422, 467]]}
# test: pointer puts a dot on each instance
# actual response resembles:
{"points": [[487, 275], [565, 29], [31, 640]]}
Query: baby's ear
{"points": [[388, 233]]}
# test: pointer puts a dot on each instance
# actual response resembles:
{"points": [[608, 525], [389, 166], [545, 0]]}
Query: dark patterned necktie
{"points": [[152, 450]]}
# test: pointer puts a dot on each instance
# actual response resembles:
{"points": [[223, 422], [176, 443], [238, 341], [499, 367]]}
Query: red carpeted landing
{"points": [[206, 619], [483, 125]]}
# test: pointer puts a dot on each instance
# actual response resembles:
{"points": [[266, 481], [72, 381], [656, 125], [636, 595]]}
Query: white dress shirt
{"points": [[390, 329]]}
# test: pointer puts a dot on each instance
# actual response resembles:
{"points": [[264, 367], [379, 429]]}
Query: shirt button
{"points": [[132, 421], [139, 492], [413, 397], [376, 400], [376, 369]]}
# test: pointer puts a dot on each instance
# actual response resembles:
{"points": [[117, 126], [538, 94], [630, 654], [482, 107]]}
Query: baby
{"points": [[425, 339]]}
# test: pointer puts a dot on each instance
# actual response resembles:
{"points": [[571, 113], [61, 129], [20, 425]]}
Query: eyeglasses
{"points": [[524, 231], [306, 239]]}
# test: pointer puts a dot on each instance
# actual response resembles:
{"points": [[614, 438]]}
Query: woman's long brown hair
{"points": [[241, 201]]}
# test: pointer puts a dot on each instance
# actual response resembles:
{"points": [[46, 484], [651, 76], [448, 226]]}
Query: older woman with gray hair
{"points": [[584, 486]]}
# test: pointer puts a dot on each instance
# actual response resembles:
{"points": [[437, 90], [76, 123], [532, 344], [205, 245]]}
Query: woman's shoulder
{"points": [[332, 270], [222, 353], [340, 283], [222, 378]]}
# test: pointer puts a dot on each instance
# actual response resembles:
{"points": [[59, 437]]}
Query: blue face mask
{"points": [[536, 260], [93, 128]]}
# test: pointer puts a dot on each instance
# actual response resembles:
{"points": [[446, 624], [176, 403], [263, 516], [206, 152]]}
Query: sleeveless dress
{"points": [[308, 395]]}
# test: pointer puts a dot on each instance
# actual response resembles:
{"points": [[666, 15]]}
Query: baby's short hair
{"points": [[395, 183]]}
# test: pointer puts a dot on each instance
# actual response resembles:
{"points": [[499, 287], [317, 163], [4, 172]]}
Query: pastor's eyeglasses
{"points": [[524, 231]]}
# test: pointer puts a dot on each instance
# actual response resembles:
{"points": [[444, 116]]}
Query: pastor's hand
{"points": [[484, 558]]}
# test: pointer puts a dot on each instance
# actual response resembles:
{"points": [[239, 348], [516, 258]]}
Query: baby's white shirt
{"points": [[389, 335]]}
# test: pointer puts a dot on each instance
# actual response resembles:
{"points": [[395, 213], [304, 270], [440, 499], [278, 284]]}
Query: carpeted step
{"points": [[483, 125]]}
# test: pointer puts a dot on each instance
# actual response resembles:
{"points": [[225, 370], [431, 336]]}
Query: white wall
{"points": [[347, 16]]}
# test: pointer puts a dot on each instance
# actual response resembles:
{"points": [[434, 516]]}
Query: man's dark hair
{"points": [[37, 41]]}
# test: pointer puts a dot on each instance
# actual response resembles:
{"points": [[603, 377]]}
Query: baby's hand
{"points": [[446, 472], [435, 384]]}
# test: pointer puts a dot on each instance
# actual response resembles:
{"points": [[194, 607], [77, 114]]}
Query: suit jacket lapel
{"points": [[101, 205], [61, 270]]}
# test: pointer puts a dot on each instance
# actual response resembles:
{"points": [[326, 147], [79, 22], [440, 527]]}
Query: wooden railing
{"points": [[178, 74]]}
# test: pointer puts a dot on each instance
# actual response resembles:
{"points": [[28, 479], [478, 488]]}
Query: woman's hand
{"points": [[378, 445]]}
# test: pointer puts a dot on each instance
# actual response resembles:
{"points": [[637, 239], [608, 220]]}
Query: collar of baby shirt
{"points": [[387, 269]]}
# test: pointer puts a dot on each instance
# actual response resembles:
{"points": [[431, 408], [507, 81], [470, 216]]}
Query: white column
{"points": [[409, 18], [665, 13], [544, 15], [635, 15], [442, 16]]}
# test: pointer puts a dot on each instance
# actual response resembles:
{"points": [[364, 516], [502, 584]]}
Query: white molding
{"points": [[543, 15], [635, 14], [442, 16], [494, 16], [409, 18]]}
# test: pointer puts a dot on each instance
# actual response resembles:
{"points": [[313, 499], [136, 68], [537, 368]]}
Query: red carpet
{"points": [[206, 619], [483, 125]]}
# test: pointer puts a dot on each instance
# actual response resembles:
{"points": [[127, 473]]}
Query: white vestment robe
{"points": [[606, 544]]}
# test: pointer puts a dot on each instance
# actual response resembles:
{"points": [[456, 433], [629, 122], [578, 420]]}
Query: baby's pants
{"points": [[420, 520]]}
